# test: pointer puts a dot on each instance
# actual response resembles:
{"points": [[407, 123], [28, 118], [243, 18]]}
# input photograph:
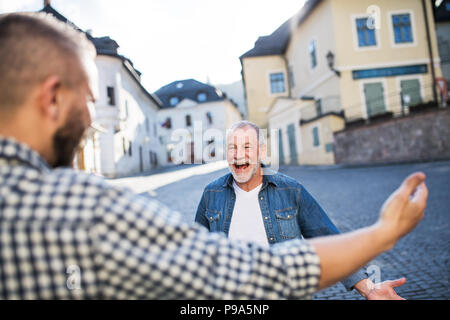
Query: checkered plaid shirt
{"points": [[69, 235]]}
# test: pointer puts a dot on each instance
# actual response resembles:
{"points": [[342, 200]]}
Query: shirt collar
{"points": [[11, 149]]}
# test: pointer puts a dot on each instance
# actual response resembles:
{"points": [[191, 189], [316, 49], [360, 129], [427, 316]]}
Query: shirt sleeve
{"points": [[200, 215], [144, 251], [314, 222]]}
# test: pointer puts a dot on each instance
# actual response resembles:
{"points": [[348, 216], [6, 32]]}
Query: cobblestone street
{"points": [[352, 197]]}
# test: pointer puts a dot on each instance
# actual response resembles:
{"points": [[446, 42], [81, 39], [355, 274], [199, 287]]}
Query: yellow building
{"points": [[344, 60]]}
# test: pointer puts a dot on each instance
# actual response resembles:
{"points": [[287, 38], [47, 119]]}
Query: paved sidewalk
{"points": [[352, 197]]}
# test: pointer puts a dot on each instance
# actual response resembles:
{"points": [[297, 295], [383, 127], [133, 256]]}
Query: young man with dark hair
{"points": [[113, 243]]}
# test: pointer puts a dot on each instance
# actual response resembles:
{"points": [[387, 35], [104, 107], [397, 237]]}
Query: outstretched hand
{"points": [[385, 290], [403, 210]]}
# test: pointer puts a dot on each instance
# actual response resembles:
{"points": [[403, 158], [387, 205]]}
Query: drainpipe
{"points": [[430, 51], [288, 76]]}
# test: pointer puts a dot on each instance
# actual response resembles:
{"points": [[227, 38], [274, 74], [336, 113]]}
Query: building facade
{"points": [[193, 121], [340, 62], [124, 142], [442, 22], [129, 114]]}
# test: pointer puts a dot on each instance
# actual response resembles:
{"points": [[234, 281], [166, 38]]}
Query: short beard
{"points": [[66, 140], [252, 173]]}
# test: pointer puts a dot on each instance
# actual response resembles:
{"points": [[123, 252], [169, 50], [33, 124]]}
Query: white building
{"points": [[129, 114], [127, 141], [190, 112]]}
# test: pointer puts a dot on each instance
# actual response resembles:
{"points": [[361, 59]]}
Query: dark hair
{"points": [[33, 47]]}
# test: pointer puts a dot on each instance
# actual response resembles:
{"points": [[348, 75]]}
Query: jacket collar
{"points": [[13, 150], [268, 177]]}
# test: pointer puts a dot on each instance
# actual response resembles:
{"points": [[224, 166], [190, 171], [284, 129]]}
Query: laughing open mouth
{"points": [[241, 166]]}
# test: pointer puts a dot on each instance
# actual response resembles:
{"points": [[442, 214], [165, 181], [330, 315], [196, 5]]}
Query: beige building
{"points": [[442, 24], [340, 62]]}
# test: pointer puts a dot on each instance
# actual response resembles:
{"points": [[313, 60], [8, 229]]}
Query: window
{"points": [[209, 117], [147, 125], [153, 159], [124, 145], [389, 71], [201, 97], [167, 124], [318, 105], [401, 24], [312, 53], [277, 82], [174, 101], [169, 153], [130, 147], [126, 109], [188, 120], [315, 133], [110, 94], [374, 98], [410, 92], [280, 146], [366, 35]]}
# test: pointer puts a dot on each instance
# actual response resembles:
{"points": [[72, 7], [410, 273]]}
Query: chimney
{"points": [[46, 3]]}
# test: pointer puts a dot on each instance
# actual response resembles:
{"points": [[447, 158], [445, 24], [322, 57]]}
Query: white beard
{"points": [[244, 178]]}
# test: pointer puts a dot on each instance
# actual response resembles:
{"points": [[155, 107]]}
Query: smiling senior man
{"points": [[253, 203], [116, 244]]}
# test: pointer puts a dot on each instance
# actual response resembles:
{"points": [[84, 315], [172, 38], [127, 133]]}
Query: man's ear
{"points": [[48, 97]]}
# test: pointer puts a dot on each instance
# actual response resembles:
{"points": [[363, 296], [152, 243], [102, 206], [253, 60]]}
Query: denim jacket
{"points": [[288, 210]]}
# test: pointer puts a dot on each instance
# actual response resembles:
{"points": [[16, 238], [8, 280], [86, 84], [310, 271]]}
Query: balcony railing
{"points": [[390, 104], [321, 107]]}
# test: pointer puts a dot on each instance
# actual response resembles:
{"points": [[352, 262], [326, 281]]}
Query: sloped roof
{"points": [[49, 9], [187, 89], [274, 43], [277, 42], [442, 13]]}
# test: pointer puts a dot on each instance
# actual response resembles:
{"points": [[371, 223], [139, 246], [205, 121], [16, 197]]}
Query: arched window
{"points": [[209, 117], [188, 120], [201, 97], [174, 101]]}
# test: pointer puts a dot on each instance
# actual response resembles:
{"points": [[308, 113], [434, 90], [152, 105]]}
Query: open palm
{"points": [[385, 290]]}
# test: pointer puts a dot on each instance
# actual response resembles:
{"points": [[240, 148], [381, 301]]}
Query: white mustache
{"points": [[240, 162]]}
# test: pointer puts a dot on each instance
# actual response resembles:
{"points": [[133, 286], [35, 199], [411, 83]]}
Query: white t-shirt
{"points": [[247, 223]]}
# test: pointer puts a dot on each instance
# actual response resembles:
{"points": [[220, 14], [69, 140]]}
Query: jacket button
{"points": [[262, 198], [266, 218], [271, 239]]}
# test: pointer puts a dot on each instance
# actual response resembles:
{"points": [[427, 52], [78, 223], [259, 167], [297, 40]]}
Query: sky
{"points": [[170, 40]]}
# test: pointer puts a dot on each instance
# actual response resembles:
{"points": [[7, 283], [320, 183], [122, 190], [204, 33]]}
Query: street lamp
{"points": [[330, 60]]}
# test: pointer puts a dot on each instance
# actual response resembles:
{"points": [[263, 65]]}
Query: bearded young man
{"points": [[253, 203], [66, 234]]}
